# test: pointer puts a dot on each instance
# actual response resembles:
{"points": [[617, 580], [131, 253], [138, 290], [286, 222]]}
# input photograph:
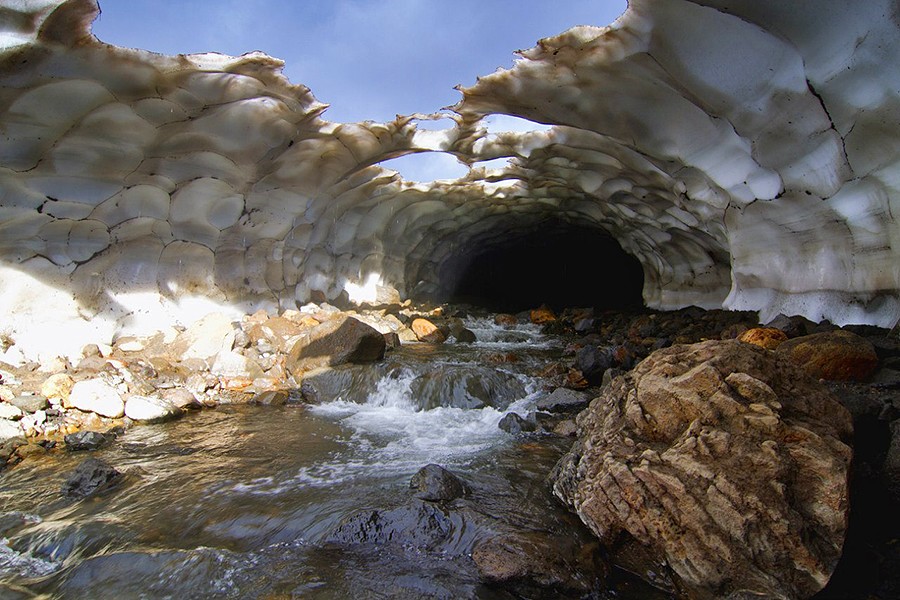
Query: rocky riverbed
{"points": [[408, 449]]}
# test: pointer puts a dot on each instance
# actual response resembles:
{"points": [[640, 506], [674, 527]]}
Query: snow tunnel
{"points": [[556, 263], [722, 157]]}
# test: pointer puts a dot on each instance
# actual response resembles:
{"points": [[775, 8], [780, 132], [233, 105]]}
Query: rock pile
{"points": [[257, 359]]}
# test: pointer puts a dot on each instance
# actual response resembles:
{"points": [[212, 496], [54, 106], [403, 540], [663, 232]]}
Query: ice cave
{"points": [[734, 153]]}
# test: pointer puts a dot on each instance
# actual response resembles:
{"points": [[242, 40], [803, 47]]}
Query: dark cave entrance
{"points": [[556, 264]]}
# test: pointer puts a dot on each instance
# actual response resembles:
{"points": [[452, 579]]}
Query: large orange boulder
{"points": [[833, 355], [426, 331]]}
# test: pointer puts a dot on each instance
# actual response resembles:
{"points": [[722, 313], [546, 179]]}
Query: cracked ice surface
{"points": [[745, 152]]}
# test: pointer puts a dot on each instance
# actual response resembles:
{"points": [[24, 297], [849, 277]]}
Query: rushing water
{"points": [[278, 502]]}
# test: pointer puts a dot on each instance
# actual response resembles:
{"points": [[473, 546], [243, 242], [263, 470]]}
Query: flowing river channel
{"points": [[311, 500]]}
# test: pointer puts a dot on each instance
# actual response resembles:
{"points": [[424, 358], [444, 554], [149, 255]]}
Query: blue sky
{"points": [[368, 59]]}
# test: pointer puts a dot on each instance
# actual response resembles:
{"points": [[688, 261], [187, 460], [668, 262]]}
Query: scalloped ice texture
{"points": [[745, 152]]}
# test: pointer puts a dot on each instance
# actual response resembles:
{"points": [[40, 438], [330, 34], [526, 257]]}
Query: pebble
{"points": [[9, 411], [30, 404], [9, 430]]}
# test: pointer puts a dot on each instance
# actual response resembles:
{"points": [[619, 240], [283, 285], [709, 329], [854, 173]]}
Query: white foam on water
{"points": [[23, 565], [391, 437], [500, 337]]}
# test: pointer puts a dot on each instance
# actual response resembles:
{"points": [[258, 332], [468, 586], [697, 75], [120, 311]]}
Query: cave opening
{"points": [[557, 264]]}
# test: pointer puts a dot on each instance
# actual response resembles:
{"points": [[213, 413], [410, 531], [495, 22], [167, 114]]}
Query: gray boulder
{"points": [[563, 400], [29, 403], [335, 342]]}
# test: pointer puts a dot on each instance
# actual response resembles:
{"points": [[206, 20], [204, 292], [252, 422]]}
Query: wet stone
{"points": [[426, 331], [272, 398], [391, 340], [593, 362], [434, 483], [513, 423], [541, 559], [91, 476], [336, 342], [564, 400], [465, 336], [419, 525], [85, 440]]}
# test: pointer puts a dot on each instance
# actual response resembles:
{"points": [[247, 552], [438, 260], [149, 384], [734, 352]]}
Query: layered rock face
{"points": [[745, 152], [729, 463]]}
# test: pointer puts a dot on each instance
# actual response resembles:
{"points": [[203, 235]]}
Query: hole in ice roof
{"points": [[427, 166], [494, 163], [437, 124], [503, 123]]}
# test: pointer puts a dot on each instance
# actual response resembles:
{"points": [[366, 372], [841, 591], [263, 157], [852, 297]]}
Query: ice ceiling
{"points": [[745, 152]]}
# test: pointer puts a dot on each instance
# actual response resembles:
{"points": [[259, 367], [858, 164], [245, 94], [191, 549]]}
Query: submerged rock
{"points": [[726, 461], [335, 342], [434, 483], [459, 331], [506, 320], [466, 387], [421, 525], [271, 398], [552, 562], [91, 476]]}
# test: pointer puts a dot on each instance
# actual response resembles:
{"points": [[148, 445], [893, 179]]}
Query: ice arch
{"points": [[744, 152]]}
